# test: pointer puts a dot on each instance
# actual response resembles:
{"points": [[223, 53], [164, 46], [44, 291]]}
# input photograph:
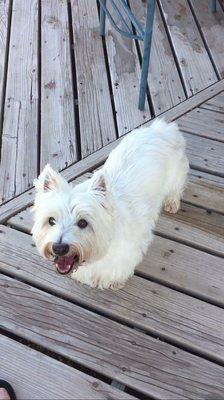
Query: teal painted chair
{"points": [[144, 35]]}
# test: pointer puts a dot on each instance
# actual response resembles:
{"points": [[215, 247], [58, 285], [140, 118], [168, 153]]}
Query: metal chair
{"points": [[145, 35]]}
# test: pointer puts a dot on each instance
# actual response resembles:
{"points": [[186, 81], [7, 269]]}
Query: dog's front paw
{"points": [[116, 285], [84, 276]]}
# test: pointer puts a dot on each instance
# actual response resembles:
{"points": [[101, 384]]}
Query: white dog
{"points": [[100, 229]]}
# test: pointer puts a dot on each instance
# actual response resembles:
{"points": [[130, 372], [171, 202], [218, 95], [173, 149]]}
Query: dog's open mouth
{"points": [[66, 264]]}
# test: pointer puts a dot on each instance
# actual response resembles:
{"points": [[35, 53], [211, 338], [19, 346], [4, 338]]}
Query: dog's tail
{"points": [[170, 132]]}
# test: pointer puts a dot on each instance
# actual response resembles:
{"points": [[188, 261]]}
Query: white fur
{"points": [[121, 202]]}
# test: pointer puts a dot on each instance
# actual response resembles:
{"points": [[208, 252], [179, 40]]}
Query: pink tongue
{"points": [[63, 264]]}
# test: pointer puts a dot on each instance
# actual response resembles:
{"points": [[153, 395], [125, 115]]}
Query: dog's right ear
{"points": [[50, 180], [98, 182]]}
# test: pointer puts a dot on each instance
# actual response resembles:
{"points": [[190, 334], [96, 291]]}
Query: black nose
{"points": [[60, 249]]}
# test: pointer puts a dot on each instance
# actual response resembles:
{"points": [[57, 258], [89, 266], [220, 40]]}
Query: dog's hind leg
{"points": [[176, 186], [172, 203]]}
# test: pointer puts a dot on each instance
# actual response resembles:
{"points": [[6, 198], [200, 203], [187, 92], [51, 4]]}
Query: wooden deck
{"points": [[67, 97]]}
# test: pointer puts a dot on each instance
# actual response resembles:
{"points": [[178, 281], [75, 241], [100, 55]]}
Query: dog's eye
{"points": [[51, 221], [82, 223]]}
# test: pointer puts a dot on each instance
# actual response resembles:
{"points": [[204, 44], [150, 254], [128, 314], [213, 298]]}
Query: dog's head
{"points": [[71, 224]]}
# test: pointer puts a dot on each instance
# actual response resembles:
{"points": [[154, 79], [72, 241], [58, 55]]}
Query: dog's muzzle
{"points": [[65, 264]]}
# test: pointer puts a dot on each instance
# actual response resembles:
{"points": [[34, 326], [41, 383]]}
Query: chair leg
{"points": [[213, 6], [102, 18], [146, 53]]}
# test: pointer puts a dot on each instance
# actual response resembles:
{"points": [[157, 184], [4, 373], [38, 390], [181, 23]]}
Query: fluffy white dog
{"points": [[100, 230]]}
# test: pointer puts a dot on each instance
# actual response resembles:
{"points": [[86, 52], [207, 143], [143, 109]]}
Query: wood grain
{"points": [[205, 154], [37, 376], [193, 102], [208, 197], [199, 218], [19, 136], [198, 122], [125, 78], [206, 179], [175, 229], [143, 304], [211, 25], [94, 160], [103, 345], [97, 127], [164, 82], [58, 132], [4, 28], [194, 62], [215, 104], [184, 268]]}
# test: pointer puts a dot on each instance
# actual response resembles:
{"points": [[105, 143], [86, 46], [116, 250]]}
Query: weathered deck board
{"points": [[125, 79], [58, 132], [4, 27], [198, 122], [215, 104], [164, 81], [19, 137], [206, 196], [97, 126], [175, 229], [194, 62], [144, 304], [211, 25], [200, 218], [119, 352], [205, 154], [184, 268], [206, 179], [50, 379]]}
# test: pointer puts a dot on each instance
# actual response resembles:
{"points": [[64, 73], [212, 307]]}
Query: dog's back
{"points": [[152, 154]]}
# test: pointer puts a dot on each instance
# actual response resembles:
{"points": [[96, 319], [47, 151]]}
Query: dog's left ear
{"points": [[50, 180], [98, 182]]}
